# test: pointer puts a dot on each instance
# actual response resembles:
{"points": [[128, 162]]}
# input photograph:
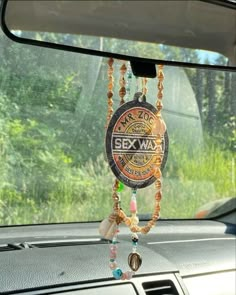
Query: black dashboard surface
{"points": [[185, 247]]}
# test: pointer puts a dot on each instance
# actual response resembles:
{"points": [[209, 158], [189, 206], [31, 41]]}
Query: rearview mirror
{"points": [[189, 33]]}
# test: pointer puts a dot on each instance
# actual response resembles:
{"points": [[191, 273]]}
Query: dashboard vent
{"points": [[66, 243], [51, 243], [165, 287], [9, 247]]}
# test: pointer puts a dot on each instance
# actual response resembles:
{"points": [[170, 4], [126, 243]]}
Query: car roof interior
{"points": [[190, 24]]}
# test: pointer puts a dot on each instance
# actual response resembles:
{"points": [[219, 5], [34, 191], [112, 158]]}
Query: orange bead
{"points": [[123, 69], [110, 62], [110, 94], [158, 196], [145, 229], [127, 221], [122, 92]]}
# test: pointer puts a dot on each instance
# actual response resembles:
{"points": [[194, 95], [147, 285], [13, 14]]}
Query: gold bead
{"points": [[135, 228], [127, 221], [122, 92], [110, 61], [145, 229], [155, 217], [158, 184], [158, 207], [122, 215], [157, 171], [158, 196], [123, 69], [151, 223]]}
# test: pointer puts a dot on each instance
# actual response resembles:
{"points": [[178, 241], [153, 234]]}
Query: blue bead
{"points": [[117, 273]]}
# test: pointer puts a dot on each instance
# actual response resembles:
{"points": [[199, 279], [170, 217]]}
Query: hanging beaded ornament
{"points": [[136, 146]]}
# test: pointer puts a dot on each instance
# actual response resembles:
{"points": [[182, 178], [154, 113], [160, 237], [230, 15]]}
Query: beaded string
{"points": [[118, 187], [110, 90], [129, 79], [122, 91], [129, 221], [116, 271], [118, 216]]}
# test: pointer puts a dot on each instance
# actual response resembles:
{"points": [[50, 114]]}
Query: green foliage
{"points": [[85, 193]]}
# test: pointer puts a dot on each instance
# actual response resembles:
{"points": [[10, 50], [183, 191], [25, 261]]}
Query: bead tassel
{"points": [[118, 215]]}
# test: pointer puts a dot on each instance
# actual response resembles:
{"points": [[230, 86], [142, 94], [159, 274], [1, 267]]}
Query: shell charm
{"points": [[107, 229], [134, 261]]}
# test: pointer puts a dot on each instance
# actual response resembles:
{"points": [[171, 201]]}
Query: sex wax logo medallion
{"points": [[131, 144]]}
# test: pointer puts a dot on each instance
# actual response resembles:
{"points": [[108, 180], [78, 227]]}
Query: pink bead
{"points": [[133, 206], [129, 275], [113, 255], [113, 247]]}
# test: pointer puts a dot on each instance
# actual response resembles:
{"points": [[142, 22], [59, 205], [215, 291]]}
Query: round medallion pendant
{"points": [[133, 143]]}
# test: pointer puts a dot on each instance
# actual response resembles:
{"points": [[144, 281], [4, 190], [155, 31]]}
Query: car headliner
{"points": [[190, 24]]}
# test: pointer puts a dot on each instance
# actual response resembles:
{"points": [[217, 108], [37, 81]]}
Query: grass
{"points": [[84, 194]]}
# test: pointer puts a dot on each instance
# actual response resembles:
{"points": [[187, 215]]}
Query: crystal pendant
{"points": [[107, 229], [134, 261]]}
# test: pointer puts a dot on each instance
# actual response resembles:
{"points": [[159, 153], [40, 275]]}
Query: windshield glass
{"points": [[53, 110]]}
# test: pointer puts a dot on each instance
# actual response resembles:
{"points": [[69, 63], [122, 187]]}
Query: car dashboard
{"points": [[179, 257]]}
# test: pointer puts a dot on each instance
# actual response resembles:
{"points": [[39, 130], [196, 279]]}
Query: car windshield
{"points": [[53, 112]]}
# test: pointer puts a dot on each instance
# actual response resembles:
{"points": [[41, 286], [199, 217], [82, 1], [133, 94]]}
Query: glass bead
{"points": [[134, 237], [117, 273], [133, 205], [113, 265], [112, 255], [113, 247], [129, 275], [120, 187]]}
